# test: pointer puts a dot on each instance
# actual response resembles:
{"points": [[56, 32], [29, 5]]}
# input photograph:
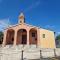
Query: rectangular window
{"points": [[33, 34], [43, 35]]}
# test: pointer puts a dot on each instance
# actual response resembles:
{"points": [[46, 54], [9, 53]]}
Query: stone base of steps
{"points": [[29, 52], [20, 47]]}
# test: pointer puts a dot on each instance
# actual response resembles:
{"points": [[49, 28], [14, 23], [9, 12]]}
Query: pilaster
{"points": [[27, 37], [15, 38], [4, 38]]}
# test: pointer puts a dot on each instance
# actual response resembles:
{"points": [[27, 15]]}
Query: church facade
{"points": [[25, 34]]}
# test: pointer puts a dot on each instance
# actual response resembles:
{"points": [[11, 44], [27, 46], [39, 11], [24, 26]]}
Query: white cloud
{"points": [[4, 23], [51, 27], [58, 33]]}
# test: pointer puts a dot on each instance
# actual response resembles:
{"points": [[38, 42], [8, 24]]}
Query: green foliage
{"points": [[1, 37], [58, 37]]}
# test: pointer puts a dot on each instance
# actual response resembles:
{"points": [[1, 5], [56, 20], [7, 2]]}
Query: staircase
{"points": [[15, 53], [29, 52]]}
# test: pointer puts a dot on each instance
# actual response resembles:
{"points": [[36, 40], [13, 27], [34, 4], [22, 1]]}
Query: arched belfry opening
{"points": [[21, 36], [33, 36], [10, 37], [21, 18]]}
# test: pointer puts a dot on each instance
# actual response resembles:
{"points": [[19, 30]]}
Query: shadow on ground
{"points": [[54, 58]]}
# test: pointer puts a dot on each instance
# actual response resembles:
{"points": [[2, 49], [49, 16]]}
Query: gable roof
{"points": [[10, 26], [27, 25]]}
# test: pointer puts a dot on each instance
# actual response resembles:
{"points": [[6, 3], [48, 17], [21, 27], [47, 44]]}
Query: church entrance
{"points": [[24, 39], [22, 36]]}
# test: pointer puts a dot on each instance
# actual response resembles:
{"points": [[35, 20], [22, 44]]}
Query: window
{"points": [[43, 35], [33, 34]]}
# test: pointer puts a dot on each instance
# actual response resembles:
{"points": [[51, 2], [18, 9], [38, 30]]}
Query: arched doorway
{"points": [[33, 36], [10, 37], [21, 36]]}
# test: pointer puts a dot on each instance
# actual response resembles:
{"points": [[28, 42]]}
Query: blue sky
{"points": [[42, 13]]}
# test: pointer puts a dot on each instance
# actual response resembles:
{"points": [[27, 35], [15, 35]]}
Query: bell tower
{"points": [[21, 18]]}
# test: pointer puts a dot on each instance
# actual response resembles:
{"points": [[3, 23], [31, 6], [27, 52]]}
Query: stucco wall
{"points": [[49, 40]]}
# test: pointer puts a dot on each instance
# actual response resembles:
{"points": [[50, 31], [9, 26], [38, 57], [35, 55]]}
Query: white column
{"points": [[15, 38], [4, 38]]}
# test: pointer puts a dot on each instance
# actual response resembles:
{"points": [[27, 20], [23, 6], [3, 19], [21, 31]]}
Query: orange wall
{"points": [[48, 41]]}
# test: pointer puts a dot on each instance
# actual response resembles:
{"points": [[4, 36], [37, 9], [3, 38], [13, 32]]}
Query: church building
{"points": [[25, 34]]}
